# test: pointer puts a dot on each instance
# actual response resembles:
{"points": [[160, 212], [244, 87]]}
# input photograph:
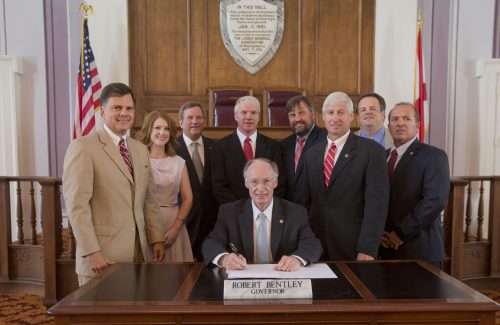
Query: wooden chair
{"points": [[221, 103], [274, 101]]}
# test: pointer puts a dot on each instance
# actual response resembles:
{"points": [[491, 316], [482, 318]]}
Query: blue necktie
{"points": [[262, 251]]}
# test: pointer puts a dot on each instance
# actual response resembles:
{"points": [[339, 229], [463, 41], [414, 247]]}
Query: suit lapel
{"points": [[246, 228], [345, 156], [407, 157], [311, 140], [237, 149], [260, 147], [184, 152], [318, 162], [114, 153], [277, 223], [207, 148]]}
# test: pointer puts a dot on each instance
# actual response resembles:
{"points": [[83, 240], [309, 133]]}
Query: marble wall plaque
{"points": [[252, 31]]}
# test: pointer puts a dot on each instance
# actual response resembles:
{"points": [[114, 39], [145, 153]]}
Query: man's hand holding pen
{"points": [[233, 261]]}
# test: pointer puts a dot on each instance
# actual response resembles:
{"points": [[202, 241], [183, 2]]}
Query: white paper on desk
{"points": [[265, 271]]}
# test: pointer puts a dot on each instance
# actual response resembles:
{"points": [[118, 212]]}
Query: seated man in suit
{"points": [[371, 116], [419, 186], [230, 153], [263, 228], [306, 133]]}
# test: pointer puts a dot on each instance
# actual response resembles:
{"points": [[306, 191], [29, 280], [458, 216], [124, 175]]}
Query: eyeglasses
{"points": [[255, 182]]}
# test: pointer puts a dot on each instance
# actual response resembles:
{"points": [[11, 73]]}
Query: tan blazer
{"points": [[105, 204]]}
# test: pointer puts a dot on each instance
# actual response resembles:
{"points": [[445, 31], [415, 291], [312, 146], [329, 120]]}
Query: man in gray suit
{"points": [[262, 228], [108, 188], [371, 116]]}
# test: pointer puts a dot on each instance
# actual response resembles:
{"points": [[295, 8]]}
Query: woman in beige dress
{"points": [[158, 133]]}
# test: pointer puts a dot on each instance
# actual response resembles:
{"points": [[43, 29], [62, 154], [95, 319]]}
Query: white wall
{"points": [[473, 40], [395, 38], [24, 37]]}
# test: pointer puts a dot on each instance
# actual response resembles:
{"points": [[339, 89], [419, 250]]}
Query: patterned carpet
{"points": [[29, 309]]}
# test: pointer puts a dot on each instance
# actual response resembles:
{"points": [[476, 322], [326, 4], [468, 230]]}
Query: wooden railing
{"points": [[38, 257], [47, 257], [473, 255]]}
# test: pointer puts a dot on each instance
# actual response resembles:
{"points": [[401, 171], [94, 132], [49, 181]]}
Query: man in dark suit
{"points": [[420, 183], [346, 188], [263, 228], [230, 154], [196, 149], [302, 117]]}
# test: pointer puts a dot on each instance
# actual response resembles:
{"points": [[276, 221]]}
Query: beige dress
{"points": [[167, 173]]}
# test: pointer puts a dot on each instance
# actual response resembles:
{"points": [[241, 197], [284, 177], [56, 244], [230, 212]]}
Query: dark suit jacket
{"points": [[228, 161], [348, 217], [296, 180], [203, 214], [419, 190], [234, 224]]}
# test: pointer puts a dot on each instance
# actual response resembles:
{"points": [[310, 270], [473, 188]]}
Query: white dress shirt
{"points": [[190, 148]]}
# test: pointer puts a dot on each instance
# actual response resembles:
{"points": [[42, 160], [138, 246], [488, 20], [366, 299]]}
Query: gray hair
{"points": [[246, 99], [273, 165], [338, 98]]}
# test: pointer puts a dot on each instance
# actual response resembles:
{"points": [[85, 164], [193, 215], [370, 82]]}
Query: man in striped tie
{"points": [[109, 191], [346, 187]]}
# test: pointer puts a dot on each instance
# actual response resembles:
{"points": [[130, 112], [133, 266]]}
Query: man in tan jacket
{"points": [[108, 188]]}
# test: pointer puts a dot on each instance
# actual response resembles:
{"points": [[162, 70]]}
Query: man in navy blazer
{"points": [[229, 157], [203, 213], [420, 184], [347, 187], [287, 238], [306, 133]]}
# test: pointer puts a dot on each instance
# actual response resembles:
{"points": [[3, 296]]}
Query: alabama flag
{"points": [[419, 86]]}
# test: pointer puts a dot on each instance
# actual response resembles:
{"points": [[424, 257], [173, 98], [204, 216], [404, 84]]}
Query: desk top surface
{"points": [[365, 284]]}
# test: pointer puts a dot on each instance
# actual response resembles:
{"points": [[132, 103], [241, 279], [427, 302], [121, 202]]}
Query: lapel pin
{"points": [[411, 153], [346, 155]]}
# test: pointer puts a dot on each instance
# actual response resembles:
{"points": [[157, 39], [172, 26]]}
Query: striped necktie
{"points": [[329, 162], [126, 157]]}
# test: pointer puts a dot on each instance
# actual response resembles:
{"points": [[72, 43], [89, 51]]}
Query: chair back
{"points": [[274, 104], [221, 104]]}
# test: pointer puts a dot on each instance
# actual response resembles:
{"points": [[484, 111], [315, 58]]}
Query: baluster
{"points": [[33, 215], [20, 232], [480, 214], [71, 242], [468, 213]]}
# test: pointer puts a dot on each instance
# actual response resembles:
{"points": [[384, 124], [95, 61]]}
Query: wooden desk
{"points": [[409, 292]]}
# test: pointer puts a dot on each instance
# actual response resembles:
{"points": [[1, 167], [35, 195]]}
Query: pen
{"points": [[233, 248]]}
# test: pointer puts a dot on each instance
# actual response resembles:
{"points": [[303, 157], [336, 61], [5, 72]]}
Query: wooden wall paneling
{"points": [[337, 46], [177, 54], [167, 47]]}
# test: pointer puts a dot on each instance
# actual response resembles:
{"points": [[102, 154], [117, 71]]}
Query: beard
{"points": [[303, 131]]}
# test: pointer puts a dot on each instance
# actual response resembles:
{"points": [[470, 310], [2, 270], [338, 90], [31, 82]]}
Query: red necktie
{"points": [[126, 156], [392, 162], [247, 149], [300, 147], [329, 162]]}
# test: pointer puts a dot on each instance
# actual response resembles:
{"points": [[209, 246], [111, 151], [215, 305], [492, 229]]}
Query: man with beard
{"points": [[302, 117]]}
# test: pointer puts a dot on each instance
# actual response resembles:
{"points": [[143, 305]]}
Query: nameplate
{"points": [[268, 289]]}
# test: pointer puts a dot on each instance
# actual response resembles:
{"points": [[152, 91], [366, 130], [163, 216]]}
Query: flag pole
{"points": [[419, 27], [86, 8]]}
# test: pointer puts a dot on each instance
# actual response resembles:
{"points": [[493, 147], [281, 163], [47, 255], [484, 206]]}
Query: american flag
{"points": [[88, 88]]}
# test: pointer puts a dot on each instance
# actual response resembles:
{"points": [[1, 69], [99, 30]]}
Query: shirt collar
{"points": [[402, 148], [242, 137], [188, 140], [268, 211], [115, 138], [340, 141]]}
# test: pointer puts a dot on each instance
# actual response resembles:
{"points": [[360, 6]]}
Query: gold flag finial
{"points": [[86, 8], [420, 15]]}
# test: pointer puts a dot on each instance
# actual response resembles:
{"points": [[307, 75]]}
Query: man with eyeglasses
{"points": [[230, 153], [262, 228], [306, 133]]}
